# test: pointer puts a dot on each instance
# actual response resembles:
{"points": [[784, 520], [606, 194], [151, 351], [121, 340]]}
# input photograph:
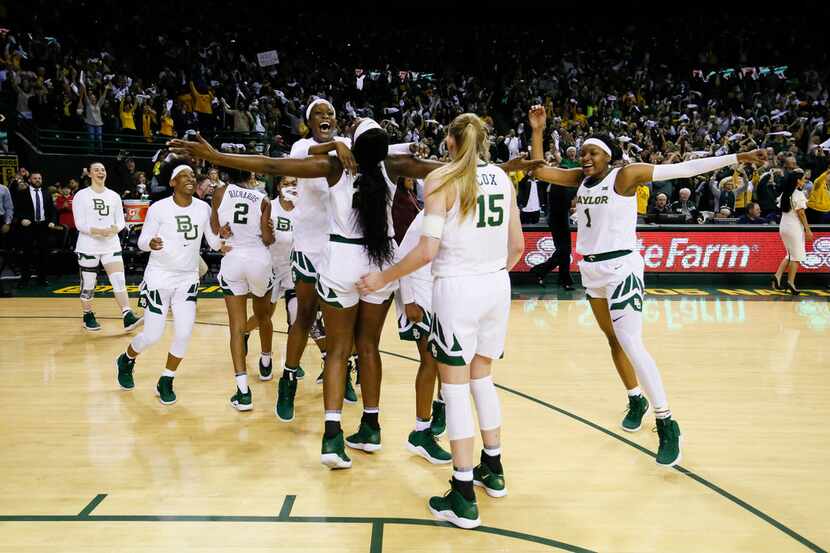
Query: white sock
{"points": [[371, 409], [492, 452], [635, 391], [242, 382], [463, 475], [128, 355], [168, 372], [662, 412], [421, 425], [125, 310], [265, 359], [333, 416]]}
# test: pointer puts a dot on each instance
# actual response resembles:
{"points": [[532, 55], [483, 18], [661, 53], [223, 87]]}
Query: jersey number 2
{"points": [[490, 215], [240, 214]]}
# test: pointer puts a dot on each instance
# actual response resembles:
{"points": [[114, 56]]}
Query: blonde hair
{"points": [[471, 141]]}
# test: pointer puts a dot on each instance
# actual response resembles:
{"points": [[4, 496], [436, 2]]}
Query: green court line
{"points": [[376, 546], [377, 523], [287, 505], [697, 478], [92, 504]]}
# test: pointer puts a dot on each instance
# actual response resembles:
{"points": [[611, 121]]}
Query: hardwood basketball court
{"points": [[87, 465]]}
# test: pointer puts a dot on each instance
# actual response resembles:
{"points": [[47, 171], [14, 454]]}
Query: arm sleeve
{"points": [[212, 238], [120, 223], [693, 167], [400, 149], [149, 230], [79, 214]]}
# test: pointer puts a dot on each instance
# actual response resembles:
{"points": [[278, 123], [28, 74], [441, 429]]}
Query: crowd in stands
{"points": [[665, 92]]}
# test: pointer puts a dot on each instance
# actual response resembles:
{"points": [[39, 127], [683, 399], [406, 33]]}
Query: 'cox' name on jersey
{"points": [[486, 179]]}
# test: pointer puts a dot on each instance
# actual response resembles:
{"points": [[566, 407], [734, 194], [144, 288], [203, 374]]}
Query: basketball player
{"points": [[473, 235], [172, 233], [245, 269], [612, 268], [99, 217], [413, 302], [282, 212]]}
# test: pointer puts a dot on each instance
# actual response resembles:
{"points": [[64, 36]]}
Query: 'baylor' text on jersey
{"points": [[606, 221]]}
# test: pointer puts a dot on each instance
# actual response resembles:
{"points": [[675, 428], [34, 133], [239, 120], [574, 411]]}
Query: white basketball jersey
{"points": [[283, 237], [477, 244], [343, 217], [181, 230], [310, 215], [242, 209], [606, 221], [97, 210]]}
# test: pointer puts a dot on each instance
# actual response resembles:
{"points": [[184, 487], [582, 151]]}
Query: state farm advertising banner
{"points": [[698, 252]]}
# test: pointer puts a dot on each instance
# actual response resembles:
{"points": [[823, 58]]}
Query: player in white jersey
{"points": [[282, 214], [473, 235], [612, 268], [413, 302], [311, 220], [245, 269], [172, 233], [99, 217]]}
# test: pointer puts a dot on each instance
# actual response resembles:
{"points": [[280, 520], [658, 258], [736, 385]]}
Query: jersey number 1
{"points": [[496, 217], [588, 216], [240, 214]]}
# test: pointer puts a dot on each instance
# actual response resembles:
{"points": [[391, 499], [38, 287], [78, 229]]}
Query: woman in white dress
{"points": [[794, 229]]}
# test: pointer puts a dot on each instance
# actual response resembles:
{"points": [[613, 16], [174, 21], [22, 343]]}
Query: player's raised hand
{"points": [[756, 157], [156, 243], [197, 149], [537, 117]]}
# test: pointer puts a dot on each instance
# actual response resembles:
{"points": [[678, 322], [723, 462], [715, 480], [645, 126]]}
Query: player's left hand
{"points": [[522, 164], [344, 154], [198, 149], [371, 283], [757, 157]]}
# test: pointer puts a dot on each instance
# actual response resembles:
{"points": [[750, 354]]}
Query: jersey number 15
{"points": [[490, 213]]}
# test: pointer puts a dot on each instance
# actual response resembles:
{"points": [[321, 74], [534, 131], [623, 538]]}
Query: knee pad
{"points": [[460, 424], [119, 282], [487, 403], [88, 279]]}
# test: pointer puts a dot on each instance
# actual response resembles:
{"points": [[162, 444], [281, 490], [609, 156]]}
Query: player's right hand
{"points": [[156, 243], [414, 313], [225, 232], [537, 117]]}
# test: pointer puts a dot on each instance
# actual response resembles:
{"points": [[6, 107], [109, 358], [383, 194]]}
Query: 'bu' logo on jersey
{"points": [[186, 227], [283, 224], [101, 207]]}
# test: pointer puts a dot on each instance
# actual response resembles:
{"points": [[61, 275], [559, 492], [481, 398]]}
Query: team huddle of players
{"points": [[326, 244]]}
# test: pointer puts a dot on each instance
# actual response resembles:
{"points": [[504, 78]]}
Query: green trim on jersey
{"points": [[330, 297]]}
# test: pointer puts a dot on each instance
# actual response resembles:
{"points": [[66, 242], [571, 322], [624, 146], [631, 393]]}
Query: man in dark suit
{"points": [[35, 216], [559, 205]]}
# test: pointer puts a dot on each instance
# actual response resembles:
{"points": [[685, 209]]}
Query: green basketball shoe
{"points": [[439, 418], [493, 483], [300, 373], [455, 509], [125, 366], [349, 396], [90, 323], [164, 390], [365, 439], [131, 321], [423, 443], [242, 402], [668, 453], [638, 406], [333, 453], [286, 389]]}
